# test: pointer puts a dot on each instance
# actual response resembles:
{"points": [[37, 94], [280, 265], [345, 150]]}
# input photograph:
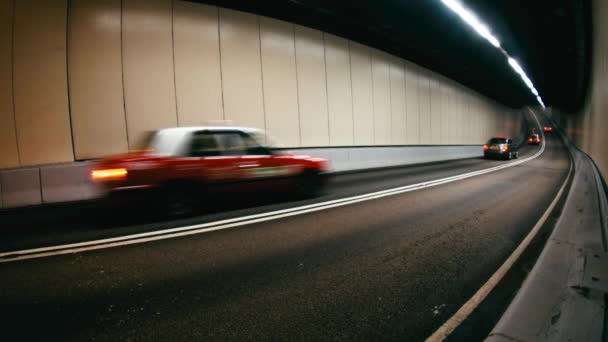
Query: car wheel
{"points": [[180, 199], [310, 184]]}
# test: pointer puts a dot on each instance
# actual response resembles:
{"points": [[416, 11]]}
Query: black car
{"points": [[534, 139], [500, 148]]}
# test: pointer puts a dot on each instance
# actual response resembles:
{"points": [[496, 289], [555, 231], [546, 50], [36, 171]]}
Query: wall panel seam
{"points": [[67, 74], [295, 55], [352, 94], [14, 5], [371, 71], [122, 71], [430, 112], [261, 69], [405, 137], [173, 60], [219, 44], [326, 89]]}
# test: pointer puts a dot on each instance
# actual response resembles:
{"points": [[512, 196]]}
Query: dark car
{"points": [[500, 148], [534, 139]]}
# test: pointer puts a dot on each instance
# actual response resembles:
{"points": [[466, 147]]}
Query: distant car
{"points": [[534, 139], [500, 148], [188, 165], [547, 128]]}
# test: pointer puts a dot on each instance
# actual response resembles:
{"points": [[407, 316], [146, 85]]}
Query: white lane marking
{"points": [[239, 221], [451, 324]]}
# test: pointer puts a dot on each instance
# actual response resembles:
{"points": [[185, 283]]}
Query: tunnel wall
{"points": [[81, 79], [588, 128], [86, 78]]}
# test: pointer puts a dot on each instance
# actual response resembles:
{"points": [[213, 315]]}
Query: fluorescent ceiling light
{"points": [[472, 20], [540, 101], [534, 91], [521, 73]]}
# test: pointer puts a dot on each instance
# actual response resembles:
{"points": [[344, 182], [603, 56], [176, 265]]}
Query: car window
{"points": [[498, 141], [231, 142], [253, 147], [204, 144]]}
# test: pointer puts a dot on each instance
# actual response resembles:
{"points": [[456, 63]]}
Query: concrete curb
{"points": [[563, 297]]}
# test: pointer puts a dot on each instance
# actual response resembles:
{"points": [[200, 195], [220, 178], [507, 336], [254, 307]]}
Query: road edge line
{"points": [[465, 310]]}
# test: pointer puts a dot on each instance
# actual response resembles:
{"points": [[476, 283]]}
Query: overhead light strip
{"points": [[482, 29]]}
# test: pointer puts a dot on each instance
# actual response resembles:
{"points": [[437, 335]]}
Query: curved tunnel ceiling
{"points": [[550, 39]]}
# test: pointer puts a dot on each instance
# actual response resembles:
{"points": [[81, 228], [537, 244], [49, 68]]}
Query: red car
{"points": [[188, 164], [547, 128]]}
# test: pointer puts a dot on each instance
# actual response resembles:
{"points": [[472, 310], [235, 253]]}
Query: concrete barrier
{"points": [[563, 297]]}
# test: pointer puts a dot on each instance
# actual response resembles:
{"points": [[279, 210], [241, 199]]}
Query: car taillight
{"points": [[108, 174], [530, 140], [486, 147], [504, 148]]}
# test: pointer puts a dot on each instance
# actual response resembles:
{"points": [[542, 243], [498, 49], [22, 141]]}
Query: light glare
{"points": [[472, 20]]}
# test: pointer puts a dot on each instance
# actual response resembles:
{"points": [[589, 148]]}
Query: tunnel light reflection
{"points": [[471, 19]]}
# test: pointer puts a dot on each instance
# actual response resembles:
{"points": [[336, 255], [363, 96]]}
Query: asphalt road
{"points": [[393, 268]]}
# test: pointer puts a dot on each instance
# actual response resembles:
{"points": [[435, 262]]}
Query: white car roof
{"points": [[170, 141]]}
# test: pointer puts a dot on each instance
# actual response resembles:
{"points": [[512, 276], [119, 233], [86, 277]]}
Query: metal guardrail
{"points": [[564, 296]]}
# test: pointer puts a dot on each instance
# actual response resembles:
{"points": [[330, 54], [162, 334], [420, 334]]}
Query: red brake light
{"points": [[530, 140], [486, 147], [108, 174]]}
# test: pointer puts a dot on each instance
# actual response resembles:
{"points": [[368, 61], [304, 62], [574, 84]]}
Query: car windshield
{"points": [[495, 141], [164, 142], [264, 139]]}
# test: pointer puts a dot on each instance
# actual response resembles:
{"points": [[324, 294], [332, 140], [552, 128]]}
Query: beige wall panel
{"points": [[312, 87], [95, 76], [148, 68], [280, 81], [40, 82], [480, 131], [339, 91], [453, 114], [446, 118], [460, 115], [397, 78], [241, 68], [198, 81], [424, 100], [476, 124], [471, 118], [363, 105], [435, 93], [382, 98], [9, 155], [412, 106]]}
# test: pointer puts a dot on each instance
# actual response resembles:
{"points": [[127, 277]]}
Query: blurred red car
{"points": [[187, 164], [547, 129]]}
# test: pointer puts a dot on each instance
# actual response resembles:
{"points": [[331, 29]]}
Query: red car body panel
{"points": [[146, 170]]}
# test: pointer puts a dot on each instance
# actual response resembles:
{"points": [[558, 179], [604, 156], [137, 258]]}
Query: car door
{"points": [[207, 154], [261, 167]]}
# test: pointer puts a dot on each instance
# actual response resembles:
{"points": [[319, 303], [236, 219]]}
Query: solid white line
{"points": [[240, 221], [451, 324]]}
